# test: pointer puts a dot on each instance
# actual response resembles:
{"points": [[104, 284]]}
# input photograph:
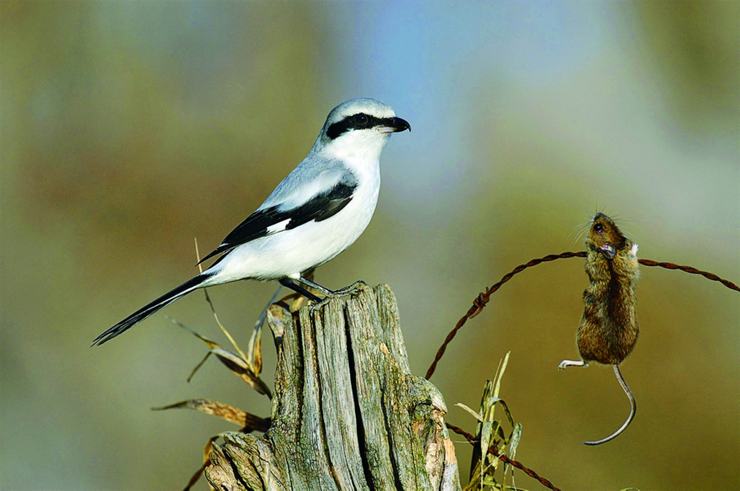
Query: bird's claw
{"points": [[317, 304], [351, 288]]}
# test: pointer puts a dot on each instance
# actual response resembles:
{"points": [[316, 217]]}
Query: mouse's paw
{"points": [[571, 363]]}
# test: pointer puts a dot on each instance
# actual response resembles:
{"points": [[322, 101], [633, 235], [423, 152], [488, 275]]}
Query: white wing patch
{"points": [[278, 227]]}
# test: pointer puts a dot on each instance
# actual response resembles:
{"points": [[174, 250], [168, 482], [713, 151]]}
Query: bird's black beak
{"points": [[398, 124]]}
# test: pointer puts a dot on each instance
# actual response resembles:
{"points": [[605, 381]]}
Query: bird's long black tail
{"points": [[149, 309]]}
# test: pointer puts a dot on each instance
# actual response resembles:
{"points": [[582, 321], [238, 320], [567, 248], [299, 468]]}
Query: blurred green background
{"points": [[128, 128]]}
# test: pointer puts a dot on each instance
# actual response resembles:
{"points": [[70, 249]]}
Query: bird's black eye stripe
{"points": [[359, 121]]}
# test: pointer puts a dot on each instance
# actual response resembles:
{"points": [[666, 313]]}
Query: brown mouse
{"points": [[608, 330]]}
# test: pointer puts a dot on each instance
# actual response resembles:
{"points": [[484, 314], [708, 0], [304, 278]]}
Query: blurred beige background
{"points": [[128, 128]]}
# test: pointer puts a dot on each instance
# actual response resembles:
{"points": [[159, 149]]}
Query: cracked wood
{"points": [[347, 413]]}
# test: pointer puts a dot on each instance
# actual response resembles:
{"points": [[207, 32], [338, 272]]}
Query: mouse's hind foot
{"points": [[572, 363]]}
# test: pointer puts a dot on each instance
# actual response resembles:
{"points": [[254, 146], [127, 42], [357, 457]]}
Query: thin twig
{"points": [[263, 312], [213, 309], [484, 297], [504, 458]]}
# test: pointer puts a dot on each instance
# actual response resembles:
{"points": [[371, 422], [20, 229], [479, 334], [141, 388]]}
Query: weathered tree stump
{"points": [[347, 413]]}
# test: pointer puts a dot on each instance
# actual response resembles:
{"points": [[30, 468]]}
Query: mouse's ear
{"points": [[608, 250]]}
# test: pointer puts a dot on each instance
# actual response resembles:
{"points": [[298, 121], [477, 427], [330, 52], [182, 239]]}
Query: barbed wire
{"points": [[484, 297], [504, 458], [691, 270]]}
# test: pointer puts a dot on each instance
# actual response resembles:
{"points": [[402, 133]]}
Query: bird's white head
{"points": [[358, 129]]}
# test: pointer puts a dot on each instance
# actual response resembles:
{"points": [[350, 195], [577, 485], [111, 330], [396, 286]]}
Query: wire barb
{"points": [[504, 458], [480, 301]]}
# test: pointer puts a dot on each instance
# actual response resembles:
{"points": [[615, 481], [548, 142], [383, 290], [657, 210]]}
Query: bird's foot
{"points": [[572, 363], [350, 289], [298, 288], [314, 307], [304, 287], [329, 294]]}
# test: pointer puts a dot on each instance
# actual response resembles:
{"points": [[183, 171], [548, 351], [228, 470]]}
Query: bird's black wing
{"points": [[275, 219]]}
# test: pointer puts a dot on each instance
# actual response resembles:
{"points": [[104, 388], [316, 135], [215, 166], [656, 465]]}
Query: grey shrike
{"points": [[315, 213]]}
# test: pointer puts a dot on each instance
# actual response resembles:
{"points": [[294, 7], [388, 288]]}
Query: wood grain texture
{"points": [[347, 413]]}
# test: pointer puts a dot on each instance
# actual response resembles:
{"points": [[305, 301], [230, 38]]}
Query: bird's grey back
{"points": [[312, 176]]}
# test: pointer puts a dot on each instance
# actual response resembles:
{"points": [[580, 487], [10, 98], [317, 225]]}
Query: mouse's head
{"points": [[604, 236]]}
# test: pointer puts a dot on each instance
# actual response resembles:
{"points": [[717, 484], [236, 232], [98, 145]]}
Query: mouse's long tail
{"points": [[633, 409], [150, 308]]}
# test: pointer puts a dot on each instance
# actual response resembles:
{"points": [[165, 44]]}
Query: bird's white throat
{"points": [[363, 145]]}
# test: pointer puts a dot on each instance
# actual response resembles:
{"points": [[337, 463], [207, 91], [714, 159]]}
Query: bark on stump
{"points": [[347, 413]]}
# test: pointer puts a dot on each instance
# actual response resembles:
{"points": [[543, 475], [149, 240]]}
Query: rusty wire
{"points": [[485, 296], [504, 458]]}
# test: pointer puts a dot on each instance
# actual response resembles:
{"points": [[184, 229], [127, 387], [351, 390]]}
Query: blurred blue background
{"points": [[128, 128]]}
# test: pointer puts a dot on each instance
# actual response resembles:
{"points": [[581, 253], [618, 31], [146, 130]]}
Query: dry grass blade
{"points": [[500, 375], [239, 366], [196, 476], [470, 411], [254, 350], [492, 444], [213, 308], [214, 408], [197, 367], [488, 425], [516, 437], [209, 342], [234, 362], [245, 420], [504, 458], [206, 462], [241, 369]]}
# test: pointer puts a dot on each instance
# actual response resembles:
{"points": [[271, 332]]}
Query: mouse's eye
{"points": [[598, 228]]}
